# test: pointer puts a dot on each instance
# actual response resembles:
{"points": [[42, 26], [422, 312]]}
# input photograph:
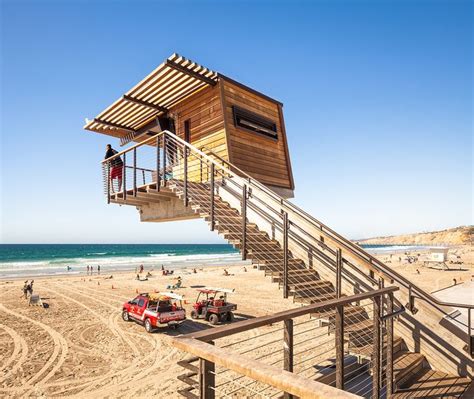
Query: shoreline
{"points": [[54, 266]]}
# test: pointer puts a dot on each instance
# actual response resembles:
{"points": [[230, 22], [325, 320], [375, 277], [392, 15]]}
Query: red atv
{"points": [[154, 310], [208, 306]]}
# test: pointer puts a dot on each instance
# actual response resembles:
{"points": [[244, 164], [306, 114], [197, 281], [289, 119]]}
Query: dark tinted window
{"points": [[250, 121], [141, 302]]}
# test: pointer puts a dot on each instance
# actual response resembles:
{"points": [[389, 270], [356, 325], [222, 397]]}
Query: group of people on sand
{"points": [[28, 288], [90, 269]]}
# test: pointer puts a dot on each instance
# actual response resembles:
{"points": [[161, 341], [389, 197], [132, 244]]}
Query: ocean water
{"points": [[18, 260], [49, 259]]}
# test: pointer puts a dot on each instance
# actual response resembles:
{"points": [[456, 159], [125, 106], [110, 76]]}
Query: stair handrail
{"points": [[337, 238], [350, 246]]}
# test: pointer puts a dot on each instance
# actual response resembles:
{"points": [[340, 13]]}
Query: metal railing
{"points": [[201, 175], [289, 354]]}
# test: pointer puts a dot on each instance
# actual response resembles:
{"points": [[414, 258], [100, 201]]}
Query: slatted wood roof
{"points": [[171, 82]]}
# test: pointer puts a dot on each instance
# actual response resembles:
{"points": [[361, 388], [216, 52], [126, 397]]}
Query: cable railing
{"points": [[289, 353], [294, 239]]}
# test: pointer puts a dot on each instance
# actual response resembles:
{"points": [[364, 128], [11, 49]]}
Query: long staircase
{"points": [[237, 208]]}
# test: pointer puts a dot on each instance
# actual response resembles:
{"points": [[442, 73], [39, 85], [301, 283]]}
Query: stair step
{"points": [[316, 298], [187, 365], [295, 286], [186, 378], [366, 350], [428, 383], [186, 393], [406, 365]]}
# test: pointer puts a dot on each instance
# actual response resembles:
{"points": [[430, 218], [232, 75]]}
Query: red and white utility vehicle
{"points": [[155, 309]]}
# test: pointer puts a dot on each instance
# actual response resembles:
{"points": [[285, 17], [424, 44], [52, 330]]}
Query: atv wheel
{"points": [[125, 316], [214, 319], [194, 314], [148, 326], [230, 317]]}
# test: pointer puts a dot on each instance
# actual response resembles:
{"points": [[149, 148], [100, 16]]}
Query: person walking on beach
{"points": [[116, 167], [88, 269], [25, 289], [92, 270], [98, 269], [29, 288]]}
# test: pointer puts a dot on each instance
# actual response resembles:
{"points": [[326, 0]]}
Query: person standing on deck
{"points": [[116, 167]]}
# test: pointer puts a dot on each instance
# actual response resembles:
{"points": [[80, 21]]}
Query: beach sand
{"points": [[79, 345]]}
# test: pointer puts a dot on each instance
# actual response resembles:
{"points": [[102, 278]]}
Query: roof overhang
{"points": [[175, 79]]}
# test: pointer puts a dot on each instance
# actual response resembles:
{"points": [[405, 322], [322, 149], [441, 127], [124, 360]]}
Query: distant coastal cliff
{"points": [[456, 236]]}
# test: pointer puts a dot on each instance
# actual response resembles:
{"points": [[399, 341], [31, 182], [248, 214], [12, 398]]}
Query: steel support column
{"points": [[340, 347], [389, 347], [211, 204], [244, 222], [285, 255], [376, 349], [288, 350]]}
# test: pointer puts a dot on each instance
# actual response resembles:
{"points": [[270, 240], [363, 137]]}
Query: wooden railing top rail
{"points": [[249, 324], [282, 380]]}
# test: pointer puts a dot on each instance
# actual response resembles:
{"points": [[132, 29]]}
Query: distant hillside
{"points": [[456, 236]]}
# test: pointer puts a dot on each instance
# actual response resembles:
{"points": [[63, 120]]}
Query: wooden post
{"points": [[288, 349], [390, 347], [124, 180], [376, 349], [164, 160], [285, 255], [185, 179], [244, 222], [338, 273], [211, 205], [158, 182], [107, 176], [340, 347], [470, 344], [135, 172], [207, 378]]}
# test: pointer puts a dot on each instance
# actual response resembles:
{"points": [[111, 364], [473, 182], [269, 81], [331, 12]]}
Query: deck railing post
{"points": [[244, 222], [207, 380], [288, 349], [340, 347], [108, 182], [389, 347], [285, 254], [158, 182], [211, 205], [470, 337], [185, 178], [124, 180], [164, 160], [135, 172], [338, 273], [376, 349], [382, 306]]}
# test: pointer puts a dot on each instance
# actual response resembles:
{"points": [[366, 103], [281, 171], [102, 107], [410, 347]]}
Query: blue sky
{"points": [[377, 100]]}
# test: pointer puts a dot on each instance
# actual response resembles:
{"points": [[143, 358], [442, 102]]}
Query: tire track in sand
{"points": [[20, 352], [108, 322], [134, 371], [60, 350]]}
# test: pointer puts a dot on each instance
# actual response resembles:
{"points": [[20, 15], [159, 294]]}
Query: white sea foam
{"points": [[59, 266]]}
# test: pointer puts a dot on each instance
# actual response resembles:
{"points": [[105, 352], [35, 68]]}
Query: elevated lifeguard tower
{"points": [[221, 117], [201, 145]]}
